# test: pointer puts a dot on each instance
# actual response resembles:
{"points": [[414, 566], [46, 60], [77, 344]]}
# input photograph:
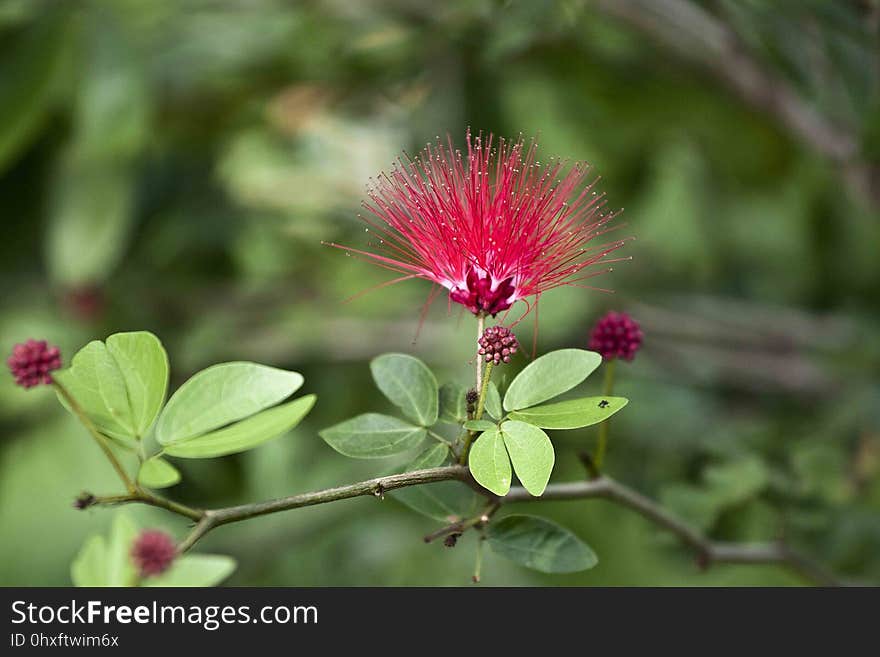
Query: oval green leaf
{"points": [[408, 384], [492, 405], [143, 363], [107, 562], [88, 567], [453, 403], [571, 414], [432, 456], [489, 463], [447, 501], [479, 425], [539, 544], [156, 472], [246, 434], [531, 453], [222, 394], [550, 376], [194, 570], [96, 383], [373, 435]]}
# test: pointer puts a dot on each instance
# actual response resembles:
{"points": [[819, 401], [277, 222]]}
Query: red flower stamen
{"points": [[493, 226]]}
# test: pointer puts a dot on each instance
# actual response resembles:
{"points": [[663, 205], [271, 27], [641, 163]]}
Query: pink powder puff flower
{"points": [[493, 226]]}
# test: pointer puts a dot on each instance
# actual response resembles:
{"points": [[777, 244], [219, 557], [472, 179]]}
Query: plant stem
{"points": [[169, 505], [709, 552], [479, 564], [478, 415], [480, 322], [97, 435], [375, 487], [484, 388], [607, 388]]}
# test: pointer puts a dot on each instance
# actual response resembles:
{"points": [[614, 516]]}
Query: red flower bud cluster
{"points": [[153, 552], [497, 344], [32, 361], [616, 335]]}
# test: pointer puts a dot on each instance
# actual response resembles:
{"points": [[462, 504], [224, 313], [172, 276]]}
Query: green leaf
{"points": [[194, 570], [107, 563], [88, 567], [373, 435], [453, 403], [433, 456], [246, 434], [409, 384], [489, 463], [144, 365], [696, 505], [479, 425], [821, 470], [737, 481], [222, 394], [446, 501], [539, 544], [550, 376], [571, 414], [531, 453], [120, 568], [156, 472], [492, 405], [95, 382]]}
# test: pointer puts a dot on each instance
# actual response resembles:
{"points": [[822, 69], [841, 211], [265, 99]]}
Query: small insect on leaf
{"points": [[603, 403]]}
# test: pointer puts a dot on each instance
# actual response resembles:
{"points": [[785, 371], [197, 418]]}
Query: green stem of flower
{"points": [[97, 435], [480, 324], [478, 566], [484, 388], [607, 388], [481, 404]]}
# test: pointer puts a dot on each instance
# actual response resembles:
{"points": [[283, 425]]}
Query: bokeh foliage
{"points": [[174, 166]]}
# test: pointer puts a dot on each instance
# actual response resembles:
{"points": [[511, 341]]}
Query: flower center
{"points": [[480, 294]]}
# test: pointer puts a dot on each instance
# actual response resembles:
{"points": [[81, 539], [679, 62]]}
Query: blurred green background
{"points": [[174, 165]]}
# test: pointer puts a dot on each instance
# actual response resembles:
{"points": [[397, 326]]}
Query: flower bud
{"points": [[31, 362], [616, 335], [497, 345], [153, 552]]}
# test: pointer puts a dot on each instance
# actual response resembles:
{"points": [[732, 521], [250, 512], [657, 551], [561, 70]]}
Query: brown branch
{"points": [[708, 551]]}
